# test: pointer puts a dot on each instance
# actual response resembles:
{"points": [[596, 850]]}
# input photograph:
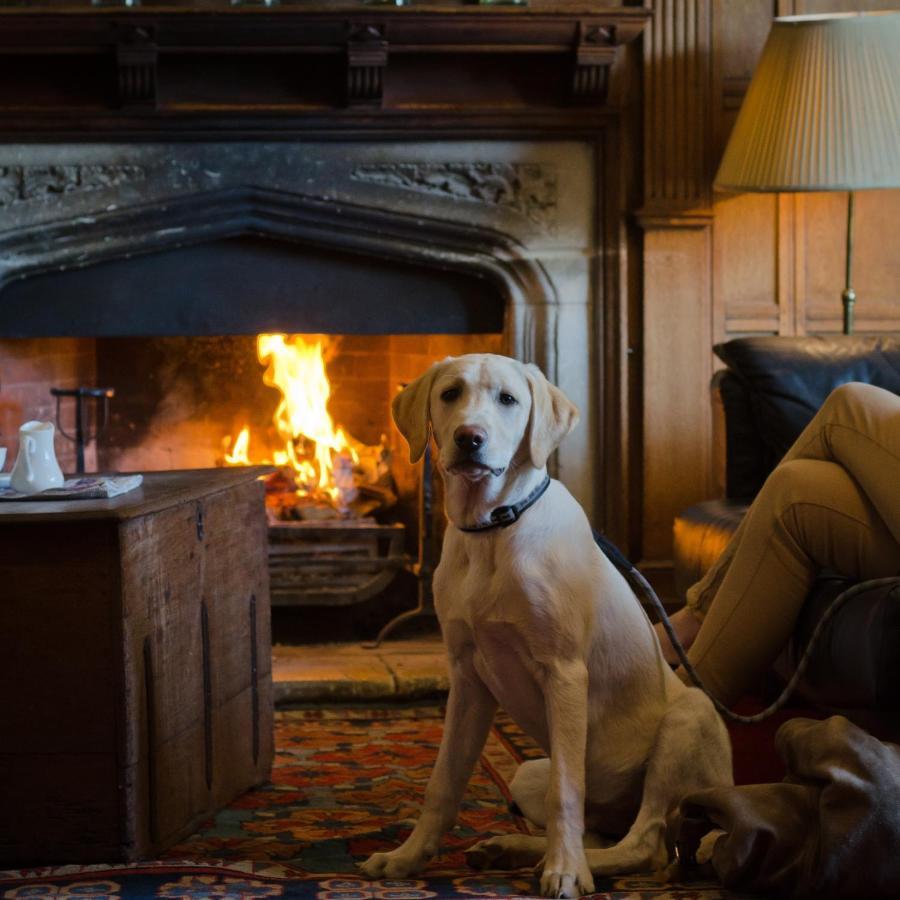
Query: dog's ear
{"points": [[552, 417], [412, 412]]}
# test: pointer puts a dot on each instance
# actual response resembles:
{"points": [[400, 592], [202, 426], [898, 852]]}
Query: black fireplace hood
{"points": [[247, 285], [251, 260]]}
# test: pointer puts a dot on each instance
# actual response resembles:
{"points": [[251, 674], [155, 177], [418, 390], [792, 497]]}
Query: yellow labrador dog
{"points": [[535, 618]]}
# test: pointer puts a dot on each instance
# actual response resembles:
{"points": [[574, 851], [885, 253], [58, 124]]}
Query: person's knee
{"points": [[847, 397], [804, 494], [799, 481]]}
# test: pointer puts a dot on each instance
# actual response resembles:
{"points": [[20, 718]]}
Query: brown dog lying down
{"points": [[830, 829]]}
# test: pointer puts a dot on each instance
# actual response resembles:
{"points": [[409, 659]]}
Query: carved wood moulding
{"points": [[677, 85], [367, 57], [136, 66], [112, 62]]}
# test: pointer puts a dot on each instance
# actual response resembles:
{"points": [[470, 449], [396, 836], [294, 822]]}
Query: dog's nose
{"points": [[469, 438]]}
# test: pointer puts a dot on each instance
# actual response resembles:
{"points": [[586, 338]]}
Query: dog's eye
{"points": [[450, 395], [507, 399]]}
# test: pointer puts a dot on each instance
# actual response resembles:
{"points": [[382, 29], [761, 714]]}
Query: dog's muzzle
{"points": [[470, 441]]}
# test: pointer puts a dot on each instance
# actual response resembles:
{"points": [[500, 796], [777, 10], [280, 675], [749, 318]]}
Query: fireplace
{"points": [[163, 274], [446, 199], [403, 265], [342, 499]]}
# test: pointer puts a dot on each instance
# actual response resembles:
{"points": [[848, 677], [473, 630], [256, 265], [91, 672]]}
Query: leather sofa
{"points": [[770, 390]]}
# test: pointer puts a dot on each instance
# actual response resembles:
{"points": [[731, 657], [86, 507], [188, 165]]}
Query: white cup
{"points": [[36, 468], [2, 458]]}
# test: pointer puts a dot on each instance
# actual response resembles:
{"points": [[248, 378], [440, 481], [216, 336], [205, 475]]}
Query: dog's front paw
{"points": [[397, 863], [566, 875]]}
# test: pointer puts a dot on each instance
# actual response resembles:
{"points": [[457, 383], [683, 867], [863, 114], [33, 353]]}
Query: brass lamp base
{"points": [[848, 296]]}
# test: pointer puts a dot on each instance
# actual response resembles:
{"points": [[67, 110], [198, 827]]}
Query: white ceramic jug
{"points": [[36, 468]]}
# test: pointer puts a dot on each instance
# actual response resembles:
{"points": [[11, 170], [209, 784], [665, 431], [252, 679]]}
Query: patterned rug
{"points": [[344, 781]]}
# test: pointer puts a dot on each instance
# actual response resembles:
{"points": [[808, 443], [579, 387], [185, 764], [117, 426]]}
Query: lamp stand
{"points": [[849, 295]]}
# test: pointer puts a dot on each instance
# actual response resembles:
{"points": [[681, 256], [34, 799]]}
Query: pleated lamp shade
{"points": [[822, 112]]}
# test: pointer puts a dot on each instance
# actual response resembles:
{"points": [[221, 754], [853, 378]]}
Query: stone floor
{"points": [[397, 670]]}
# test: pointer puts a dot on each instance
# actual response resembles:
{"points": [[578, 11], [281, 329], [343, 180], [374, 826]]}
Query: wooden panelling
{"points": [[876, 269], [877, 260], [745, 261], [766, 263], [677, 442], [676, 71], [738, 39], [677, 301]]}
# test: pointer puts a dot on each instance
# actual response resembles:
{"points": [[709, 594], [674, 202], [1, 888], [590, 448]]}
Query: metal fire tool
{"points": [[423, 568], [81, 437]]}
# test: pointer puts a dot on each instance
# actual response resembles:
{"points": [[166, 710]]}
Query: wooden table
{"points": [[135, 665]]}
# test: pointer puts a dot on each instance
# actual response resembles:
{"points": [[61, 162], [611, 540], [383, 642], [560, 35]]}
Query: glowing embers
{"points": [[323, 472]]}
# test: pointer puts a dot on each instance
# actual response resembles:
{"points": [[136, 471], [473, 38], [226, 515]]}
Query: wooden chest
{"points": [[135, 665]]}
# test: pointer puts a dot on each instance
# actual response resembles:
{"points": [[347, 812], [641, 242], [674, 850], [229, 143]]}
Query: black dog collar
{"points": [[504, 516]]}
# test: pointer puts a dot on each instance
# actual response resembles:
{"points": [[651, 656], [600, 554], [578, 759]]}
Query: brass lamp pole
{"points": [[822, 113], [848, 296]]}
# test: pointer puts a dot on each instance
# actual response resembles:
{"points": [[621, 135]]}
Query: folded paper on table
{"points": [[89, 487]]}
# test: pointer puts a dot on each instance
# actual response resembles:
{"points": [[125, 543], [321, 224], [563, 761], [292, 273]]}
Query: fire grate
{"points": [[332, 563]]}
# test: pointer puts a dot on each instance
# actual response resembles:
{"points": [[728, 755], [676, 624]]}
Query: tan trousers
{"points": [[832, 503]]}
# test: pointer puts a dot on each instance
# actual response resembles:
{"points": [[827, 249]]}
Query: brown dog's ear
{"points": [[412, 413], [553, 416]]}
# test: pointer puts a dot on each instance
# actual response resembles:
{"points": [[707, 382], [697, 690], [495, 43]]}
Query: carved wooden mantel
{"points": [[226, 61]]}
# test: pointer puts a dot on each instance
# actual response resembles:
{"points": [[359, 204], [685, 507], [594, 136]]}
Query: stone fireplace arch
{"points": [[83, 240]]}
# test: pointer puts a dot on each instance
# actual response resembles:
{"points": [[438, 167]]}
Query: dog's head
{"points": [[486, 412]]}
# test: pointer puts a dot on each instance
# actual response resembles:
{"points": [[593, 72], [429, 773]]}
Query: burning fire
{"points": [[238, 455], [321, 456]]}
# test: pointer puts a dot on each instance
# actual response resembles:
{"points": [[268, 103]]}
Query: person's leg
{"points": [[858, 426], [809, 515], [686, 622]]}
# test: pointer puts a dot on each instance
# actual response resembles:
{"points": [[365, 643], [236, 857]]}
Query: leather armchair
{"points": [[771, 389]]}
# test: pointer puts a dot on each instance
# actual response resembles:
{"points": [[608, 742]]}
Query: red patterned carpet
{"points": [[343, 779]]}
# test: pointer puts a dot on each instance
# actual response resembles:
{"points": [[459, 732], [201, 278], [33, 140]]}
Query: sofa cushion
{"points": [[747, 458], [786, 380]]}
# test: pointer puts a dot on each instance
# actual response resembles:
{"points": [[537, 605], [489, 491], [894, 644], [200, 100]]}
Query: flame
{"points": [[239, 452], [320, 453]]}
